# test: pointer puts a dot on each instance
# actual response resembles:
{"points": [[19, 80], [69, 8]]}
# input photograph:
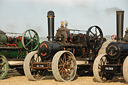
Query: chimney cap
{"points": [[50, 14], [121, 11]]}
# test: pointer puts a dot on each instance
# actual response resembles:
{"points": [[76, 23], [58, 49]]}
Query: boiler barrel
{"points": [[47, 49], [115, 50]]}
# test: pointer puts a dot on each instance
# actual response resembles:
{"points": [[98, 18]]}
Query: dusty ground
{"points": [[13, 78]]}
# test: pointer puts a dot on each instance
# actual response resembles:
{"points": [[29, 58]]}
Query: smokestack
{"points": [[50, 16], [120, 20]]}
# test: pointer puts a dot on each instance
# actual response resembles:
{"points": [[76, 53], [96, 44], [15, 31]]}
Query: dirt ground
{"points": [[14, 78]]}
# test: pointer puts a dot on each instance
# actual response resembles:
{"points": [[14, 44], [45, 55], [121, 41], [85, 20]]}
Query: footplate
{"points": [[111, 68], [41, 65]]}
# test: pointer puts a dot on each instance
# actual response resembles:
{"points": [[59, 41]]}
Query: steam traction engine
{"points": [[115, 61], [13, 49], [64, 54]]}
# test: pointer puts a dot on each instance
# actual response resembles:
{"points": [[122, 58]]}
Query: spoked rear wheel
{"points": [[33, 74], [64, 66], [99, 75], [3, 66]]}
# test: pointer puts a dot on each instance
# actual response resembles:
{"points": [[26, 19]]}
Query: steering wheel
{"points": [[94, 38], [113, 37], [30, 40]]}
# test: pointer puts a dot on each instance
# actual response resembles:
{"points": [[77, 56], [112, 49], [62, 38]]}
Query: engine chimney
{"points": [[50, 16], [120, 19]]}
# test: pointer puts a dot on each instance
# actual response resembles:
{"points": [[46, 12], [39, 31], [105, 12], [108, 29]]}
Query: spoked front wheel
{"points": [[33, 74], [3, 66], [99, 74], [64, 66]]}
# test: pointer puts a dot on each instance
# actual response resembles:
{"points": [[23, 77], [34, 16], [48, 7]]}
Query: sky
{"points": [[20, 15]]}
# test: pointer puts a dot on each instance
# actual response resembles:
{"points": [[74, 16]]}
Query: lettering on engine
{"points": [[109, 68]]}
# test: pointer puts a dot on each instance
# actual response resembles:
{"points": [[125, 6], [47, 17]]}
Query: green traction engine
{"points": [[13, 49]]}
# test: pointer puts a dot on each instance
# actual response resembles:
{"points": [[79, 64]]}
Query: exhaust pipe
{"points": [[50, 16], [120, 20]]}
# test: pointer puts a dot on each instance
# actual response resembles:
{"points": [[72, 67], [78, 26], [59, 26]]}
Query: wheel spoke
{"points": [[101, 62], [60, 65], [68, 61], [68, 72], [30, 34], [37, 59], [69, 67], [92, 33], [96, 30], [62, 60], [28, 43], [35, 41], [31, 45], [64, 74], [96, 41], [61, 70], [34, 36], [104, 61], [98, 35]]}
